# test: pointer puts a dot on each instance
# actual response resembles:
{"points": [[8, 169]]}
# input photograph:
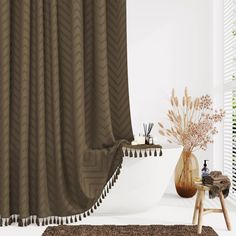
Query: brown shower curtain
{"points": [[64, 107]]}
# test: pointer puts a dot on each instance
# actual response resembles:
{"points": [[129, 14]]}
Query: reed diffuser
{"points": [[147, 131]]}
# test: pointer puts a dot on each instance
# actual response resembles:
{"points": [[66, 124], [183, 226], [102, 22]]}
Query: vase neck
{"points": [[186, 153]]}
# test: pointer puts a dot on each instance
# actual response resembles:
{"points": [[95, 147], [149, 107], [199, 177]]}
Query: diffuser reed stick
{"points": [[147, 131]]}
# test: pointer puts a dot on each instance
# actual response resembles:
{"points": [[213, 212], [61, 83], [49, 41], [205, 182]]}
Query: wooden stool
{"points": [[200, 210]]}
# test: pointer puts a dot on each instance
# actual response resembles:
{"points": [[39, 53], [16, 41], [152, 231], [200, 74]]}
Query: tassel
{"points": [[50, 221], [61, 221], [71, 219], [88, 213], [91, 210], [67, 222], [100, 200], [145, 153], [150, 152], [98, 204], [115, 178], [32, 220], [10, 220], [43, 223], [37, 222], [140, 153], [160, 154], [54, 220], [84, 215], [46, 222], [118, 172], [20, 222], [76, 220], [126, 152], [155, 153], [135, 154], [29, 221], [0, 221], [130, 153], [80, 218], [58, 222], [6, 222]]}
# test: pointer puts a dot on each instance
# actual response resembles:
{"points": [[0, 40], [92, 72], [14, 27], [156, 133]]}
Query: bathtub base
{"points": [[141, 183]]}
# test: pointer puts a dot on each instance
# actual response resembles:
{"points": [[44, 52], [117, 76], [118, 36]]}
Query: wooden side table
{"points": [[199, 209]]}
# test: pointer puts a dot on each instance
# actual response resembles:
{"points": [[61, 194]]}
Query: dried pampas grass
{"points": [[191, 121]]}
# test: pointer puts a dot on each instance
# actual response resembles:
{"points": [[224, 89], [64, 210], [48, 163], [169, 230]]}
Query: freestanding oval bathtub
{"points": [[141, 183]]}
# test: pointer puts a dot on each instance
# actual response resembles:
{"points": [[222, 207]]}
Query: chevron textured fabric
{"points": [[64, 107]]}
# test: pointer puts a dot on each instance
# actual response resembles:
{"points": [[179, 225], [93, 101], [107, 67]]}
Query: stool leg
{"points": [[225, 212], [199, 228], [196, 208]]}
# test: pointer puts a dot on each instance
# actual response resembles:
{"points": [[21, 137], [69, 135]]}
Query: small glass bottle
{"points": [[150, 141], [205, 170]]}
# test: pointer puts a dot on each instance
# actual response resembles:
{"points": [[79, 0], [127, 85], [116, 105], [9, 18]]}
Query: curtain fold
{"points": [[64, 107]]}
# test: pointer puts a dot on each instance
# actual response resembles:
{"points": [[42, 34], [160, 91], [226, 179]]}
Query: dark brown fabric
{"points": [[129, 230], [217, 183], [142, 150], [64, 105], [142, 146]]}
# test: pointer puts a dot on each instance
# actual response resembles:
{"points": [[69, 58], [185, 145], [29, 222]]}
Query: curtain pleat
{"points": [[20, 97], [117, 67], [102, 116], [41, 161], [64, 106], [5, 107]]}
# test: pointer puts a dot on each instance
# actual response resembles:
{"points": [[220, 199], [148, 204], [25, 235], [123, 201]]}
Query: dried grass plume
{"points": [[192, 121]]}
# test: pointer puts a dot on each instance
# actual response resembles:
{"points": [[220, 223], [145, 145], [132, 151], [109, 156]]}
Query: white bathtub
{"points": [[141, 183]]}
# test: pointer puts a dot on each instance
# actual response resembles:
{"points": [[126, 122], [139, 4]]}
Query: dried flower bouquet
{"points": [[192, 121], [192, 125]]}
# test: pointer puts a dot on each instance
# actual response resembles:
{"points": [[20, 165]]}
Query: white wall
{"points": [[169, 46]]}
